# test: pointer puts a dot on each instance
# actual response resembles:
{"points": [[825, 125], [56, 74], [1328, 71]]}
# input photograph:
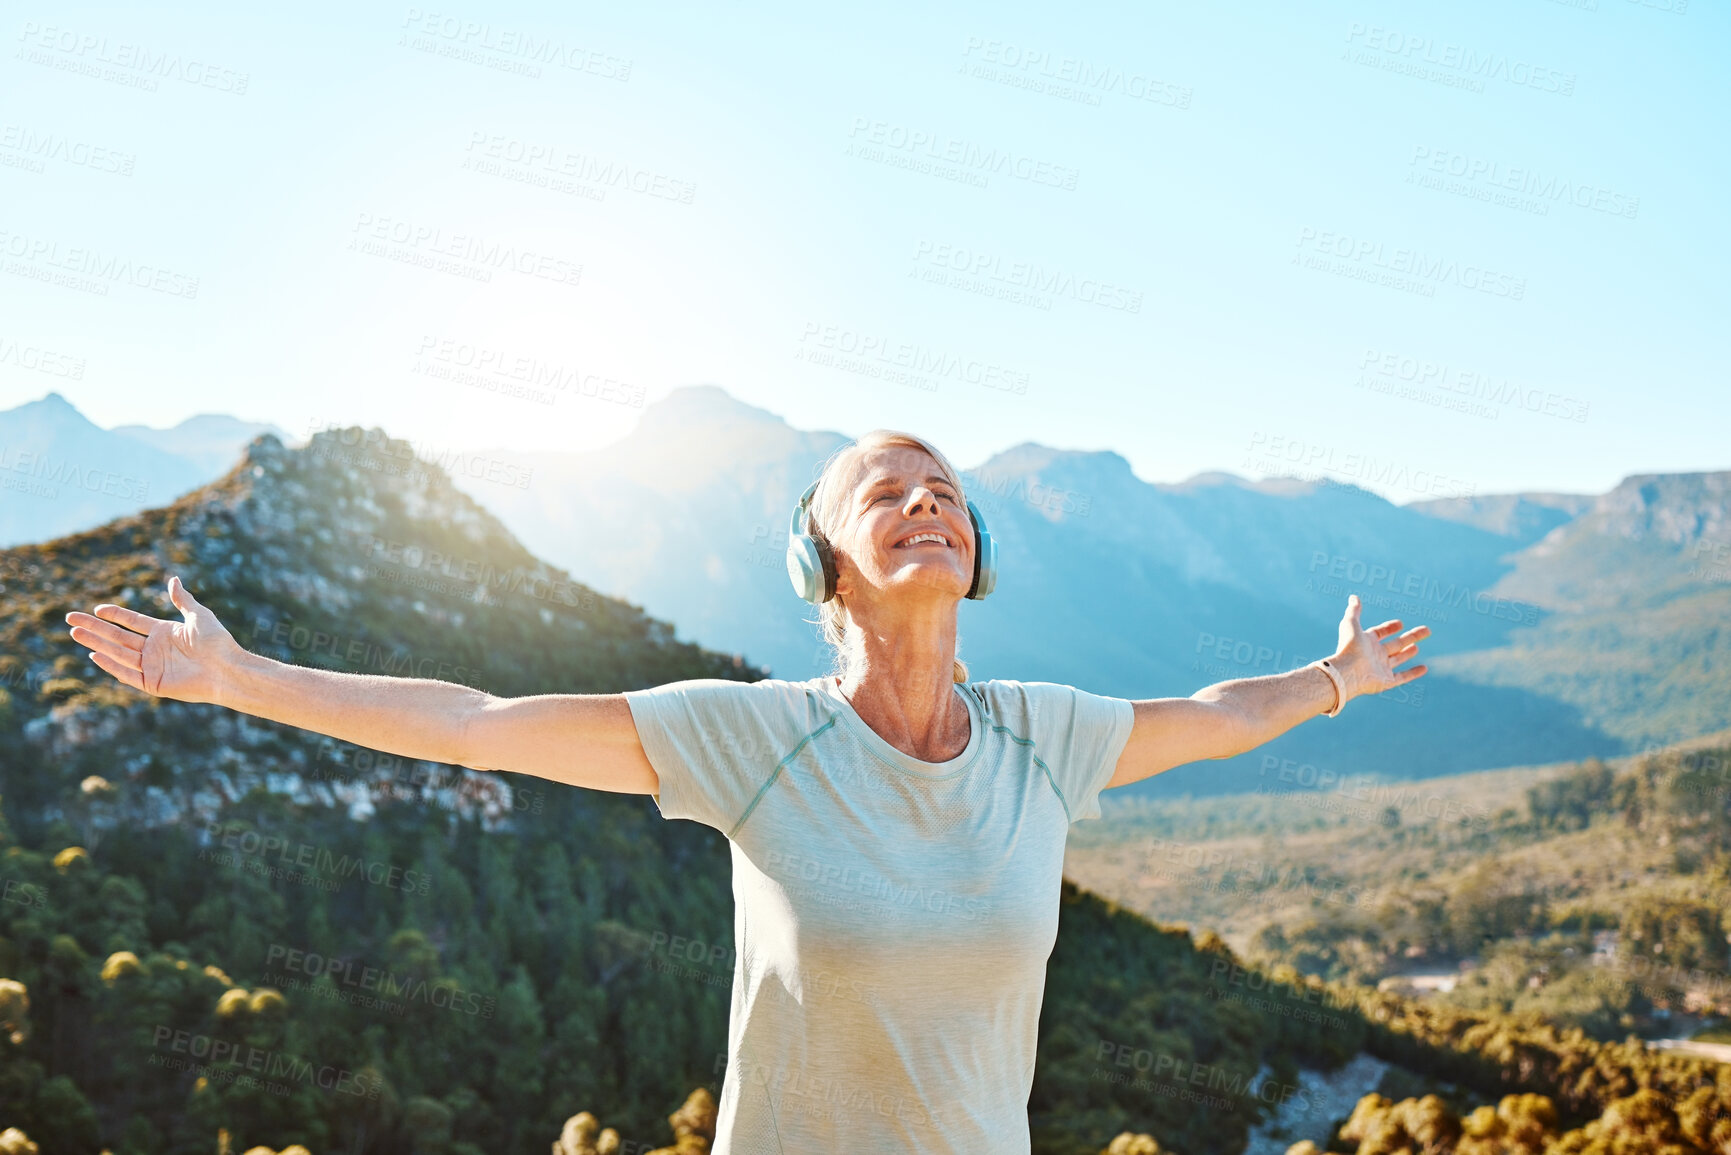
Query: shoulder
{"points": [[768, 700], [1026, 707], [1023, 696]]}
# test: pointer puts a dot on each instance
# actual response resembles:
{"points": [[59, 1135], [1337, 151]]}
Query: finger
{"points": [[1407, 653], [108, 632], [1417, 632], [133, 678], [1386, 628], [1406, 676], [121, 616], [177, 593], [118, 651], [1353, 605]]}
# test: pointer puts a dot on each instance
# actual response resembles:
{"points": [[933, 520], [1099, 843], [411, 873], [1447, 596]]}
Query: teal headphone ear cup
{"points": [[810, 562], [811, 568], [985, 556]]}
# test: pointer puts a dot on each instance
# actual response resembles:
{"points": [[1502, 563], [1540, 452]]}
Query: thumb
{"points": [[178, 594], [1353, 607]]}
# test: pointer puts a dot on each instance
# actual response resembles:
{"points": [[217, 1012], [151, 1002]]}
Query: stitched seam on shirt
{"points": [[762, 790], [1014, 737]]}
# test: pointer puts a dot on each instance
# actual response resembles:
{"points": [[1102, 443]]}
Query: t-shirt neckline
{"points": [[899, 759]]}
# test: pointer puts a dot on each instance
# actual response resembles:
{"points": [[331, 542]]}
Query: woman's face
{"points": [[899, 493]]}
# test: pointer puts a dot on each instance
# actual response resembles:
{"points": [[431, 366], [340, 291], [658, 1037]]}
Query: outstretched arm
{"points": [[1234, 716], [580, 739]]}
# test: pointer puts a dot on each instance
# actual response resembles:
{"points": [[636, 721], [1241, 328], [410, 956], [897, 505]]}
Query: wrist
{"points": [[1348, 674], [1338, 694], [235, 677]]}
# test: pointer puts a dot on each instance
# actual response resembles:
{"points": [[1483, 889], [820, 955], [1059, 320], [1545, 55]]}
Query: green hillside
{"points": [[215, 924]]}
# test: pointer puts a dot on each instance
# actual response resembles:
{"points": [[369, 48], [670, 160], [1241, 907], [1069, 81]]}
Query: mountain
{"points": [[1139, 589], [210, 441], [1635, 595], [63, 473], [690, 510], [514, 950], [222, 932], [1523, 517]]}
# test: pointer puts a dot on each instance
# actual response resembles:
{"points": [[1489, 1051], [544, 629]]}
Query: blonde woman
{"points": [[897, 831]]}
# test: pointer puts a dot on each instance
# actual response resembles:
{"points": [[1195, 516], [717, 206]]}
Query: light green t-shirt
{"points": [[892, 917]]}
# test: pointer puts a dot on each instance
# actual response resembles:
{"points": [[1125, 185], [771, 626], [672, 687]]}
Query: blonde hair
{"points": [[829, 506]]}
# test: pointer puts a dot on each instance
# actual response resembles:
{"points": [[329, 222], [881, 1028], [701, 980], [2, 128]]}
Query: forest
{"points": [[224, 934]]}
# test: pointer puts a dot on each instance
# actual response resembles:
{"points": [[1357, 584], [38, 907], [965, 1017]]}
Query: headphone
{"points": [[811, 562]]}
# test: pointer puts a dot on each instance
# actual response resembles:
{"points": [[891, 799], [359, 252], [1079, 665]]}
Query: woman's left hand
{"points": [[1367, 659]]}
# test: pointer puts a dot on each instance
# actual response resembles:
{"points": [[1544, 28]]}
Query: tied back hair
{"points": [[829, 507]]}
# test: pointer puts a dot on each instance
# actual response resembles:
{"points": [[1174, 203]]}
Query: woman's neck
{"points": [[909, 701]]}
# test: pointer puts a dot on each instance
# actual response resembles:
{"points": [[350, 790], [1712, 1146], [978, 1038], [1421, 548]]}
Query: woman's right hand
{"points": [[186, 660]]}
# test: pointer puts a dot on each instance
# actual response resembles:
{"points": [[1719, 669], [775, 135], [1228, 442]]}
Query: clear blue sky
{"points": [[1544, 182]]}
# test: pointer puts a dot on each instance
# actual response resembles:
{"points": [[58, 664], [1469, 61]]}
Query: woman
{"points": [[897, 831]]}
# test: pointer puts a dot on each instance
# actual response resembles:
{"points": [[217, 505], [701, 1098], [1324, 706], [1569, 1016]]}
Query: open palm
{"points": [[1367, 658], [183, 660]]}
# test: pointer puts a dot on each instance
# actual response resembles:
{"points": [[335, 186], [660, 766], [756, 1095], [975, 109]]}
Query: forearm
{"points": [[416, 718], [1264, 708]]}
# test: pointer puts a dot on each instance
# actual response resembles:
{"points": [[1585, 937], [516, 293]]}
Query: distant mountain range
{"points": [[61, 473], [555, 919], [1564, 625]]}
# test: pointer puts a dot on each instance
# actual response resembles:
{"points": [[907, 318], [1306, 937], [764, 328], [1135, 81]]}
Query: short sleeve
{"points": [[1079, 736], [714, 743]]}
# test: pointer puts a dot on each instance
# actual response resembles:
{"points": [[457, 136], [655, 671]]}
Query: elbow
{"points": [[471, 731], [1241, 736]]}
